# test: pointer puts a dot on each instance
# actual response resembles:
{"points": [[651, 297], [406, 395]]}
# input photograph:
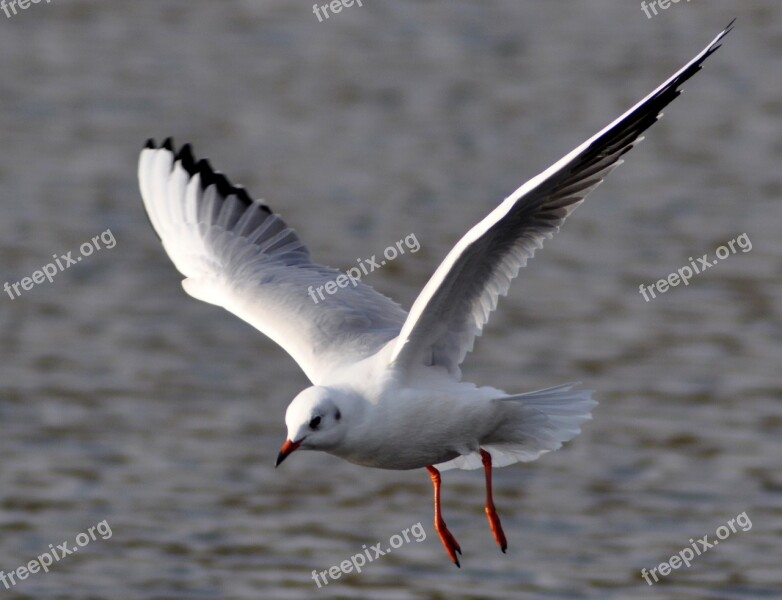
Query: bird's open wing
{"points": [[456, 302], [235, 253]]}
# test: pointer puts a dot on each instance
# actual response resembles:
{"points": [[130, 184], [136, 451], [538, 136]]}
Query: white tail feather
{"points": [[534, 423]]}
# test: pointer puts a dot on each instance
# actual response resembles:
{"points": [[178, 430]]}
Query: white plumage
{"points": [[386, 385]]}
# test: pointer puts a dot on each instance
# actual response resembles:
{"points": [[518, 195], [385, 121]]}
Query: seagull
{"points": [[386, 385]]}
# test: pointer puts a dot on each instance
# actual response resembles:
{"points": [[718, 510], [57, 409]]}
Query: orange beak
{"points": [[286, 449]]}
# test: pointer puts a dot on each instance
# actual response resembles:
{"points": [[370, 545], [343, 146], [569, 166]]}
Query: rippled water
{"points": [[125, 400]]}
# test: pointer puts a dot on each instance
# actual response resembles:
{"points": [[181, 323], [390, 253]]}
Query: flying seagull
{"points": [[386, 385]]}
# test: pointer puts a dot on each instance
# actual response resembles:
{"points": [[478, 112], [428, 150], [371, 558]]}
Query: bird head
{"points": [[314, 421]]}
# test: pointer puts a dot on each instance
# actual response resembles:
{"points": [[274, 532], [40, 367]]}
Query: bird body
{"points": [[386, 425], [387, 389]]}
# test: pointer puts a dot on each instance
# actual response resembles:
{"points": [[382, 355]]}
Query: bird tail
{"points": [[532, 424]]}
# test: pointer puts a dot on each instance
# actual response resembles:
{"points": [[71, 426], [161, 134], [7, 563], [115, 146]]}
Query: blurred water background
{"points": [[122, 399]]}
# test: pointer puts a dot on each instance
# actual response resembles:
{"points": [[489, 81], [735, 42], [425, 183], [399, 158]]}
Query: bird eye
{"points": [[315, 422], [338, 416]]}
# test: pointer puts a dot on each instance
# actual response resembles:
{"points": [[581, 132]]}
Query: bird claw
{"points": [[452, 540], [449, 542], [496, 528]]}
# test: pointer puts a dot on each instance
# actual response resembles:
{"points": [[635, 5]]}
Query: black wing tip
{"points": [[203, 168], [717, 43], [168, 144], [730, 25], [650, 111], [185, 156], [244, 196], [695, 66], [728, 28]]}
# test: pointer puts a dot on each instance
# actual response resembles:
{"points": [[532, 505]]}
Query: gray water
{"points": [[124, 400]]}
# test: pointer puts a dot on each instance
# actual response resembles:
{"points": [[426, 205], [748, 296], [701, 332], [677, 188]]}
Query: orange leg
{"points": [[491, 512], [450, 543]]}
